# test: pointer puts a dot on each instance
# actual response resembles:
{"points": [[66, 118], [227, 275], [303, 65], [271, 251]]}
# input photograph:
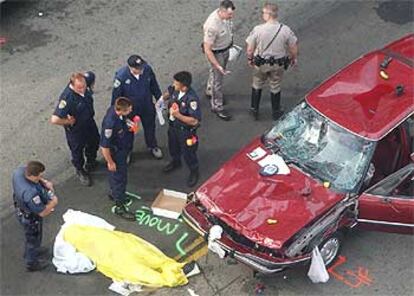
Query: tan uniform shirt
{"points": [[262, 34], [218, 32]]}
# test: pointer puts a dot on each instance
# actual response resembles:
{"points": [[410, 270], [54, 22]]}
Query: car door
{"points": [[389, 204]]}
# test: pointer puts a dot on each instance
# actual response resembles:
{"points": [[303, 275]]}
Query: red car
{"points": [[341, 157]]}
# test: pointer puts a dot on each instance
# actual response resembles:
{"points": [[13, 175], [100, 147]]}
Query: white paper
{"points": [[275, 160], [192, 293], [235, 53], [160, 117], [124, 289], [215, 233], [313, 136], [257, 153]]}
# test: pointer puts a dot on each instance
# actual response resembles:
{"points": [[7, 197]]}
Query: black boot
{"points": [[192, 178], [276, 110], [255, 102]]}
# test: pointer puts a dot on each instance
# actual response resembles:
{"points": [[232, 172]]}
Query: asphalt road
{"points": [[40, 51]]}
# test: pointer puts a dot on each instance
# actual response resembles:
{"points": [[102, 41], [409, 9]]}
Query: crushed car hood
{"points": [[267, 210]]}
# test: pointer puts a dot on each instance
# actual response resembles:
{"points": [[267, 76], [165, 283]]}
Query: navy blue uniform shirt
{"points": [[189, 105], [71, 103], [115, 134], [30, 197], [139, 91]]}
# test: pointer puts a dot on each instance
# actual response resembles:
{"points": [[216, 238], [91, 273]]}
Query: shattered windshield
{"points": [[321, 148]]}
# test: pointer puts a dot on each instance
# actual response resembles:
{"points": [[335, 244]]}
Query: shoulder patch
{"points": [[193, 105], [108, 133], [117, 83], [62, 104], [36, 200], [211, 33]]}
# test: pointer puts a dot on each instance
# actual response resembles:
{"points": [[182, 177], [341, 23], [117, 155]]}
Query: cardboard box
{"points": [[169, 203]]}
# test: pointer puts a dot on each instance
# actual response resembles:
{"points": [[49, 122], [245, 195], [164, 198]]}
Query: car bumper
{"points": [[258, 261]]}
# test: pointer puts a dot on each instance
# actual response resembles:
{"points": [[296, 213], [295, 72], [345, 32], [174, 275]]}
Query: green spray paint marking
{"points": [[179, 242], [144, 217], [132, 195]]}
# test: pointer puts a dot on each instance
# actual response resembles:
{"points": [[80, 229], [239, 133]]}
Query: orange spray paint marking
{"points": [[349, 277]]}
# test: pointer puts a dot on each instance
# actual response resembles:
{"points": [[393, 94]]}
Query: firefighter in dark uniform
{"points": [[137, 82], [184, 119], [116, 143], [75, 112], [34, 199]]}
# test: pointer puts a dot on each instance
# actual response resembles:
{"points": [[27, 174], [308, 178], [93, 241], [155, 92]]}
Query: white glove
{"points": [[160, 104]]}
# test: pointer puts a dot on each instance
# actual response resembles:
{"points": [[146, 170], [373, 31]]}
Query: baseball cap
{"points": [[135, 61], [89, 77]]}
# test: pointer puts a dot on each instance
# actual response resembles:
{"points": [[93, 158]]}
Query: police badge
{"points": [[193, 105], [108, 133], [62, 104], [117, 83]]}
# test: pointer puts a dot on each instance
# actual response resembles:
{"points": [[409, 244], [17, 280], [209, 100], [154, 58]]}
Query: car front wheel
{"points": [[330, 248]]}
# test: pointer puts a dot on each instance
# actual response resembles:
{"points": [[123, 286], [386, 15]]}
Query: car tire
{"points": [[330, 248]]}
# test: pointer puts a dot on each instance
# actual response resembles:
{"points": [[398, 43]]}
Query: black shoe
{"points": [[255, 102], [43, 252], [171, 166], [122, 211], [90, 166], [83, 177], [191, 268], [39, 265], [192, 178], [127, 201], [254, 113], [223, 114], [277, 112]]}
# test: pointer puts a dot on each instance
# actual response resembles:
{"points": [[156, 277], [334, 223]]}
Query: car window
{"points": [[400, 184], [321, 148]]}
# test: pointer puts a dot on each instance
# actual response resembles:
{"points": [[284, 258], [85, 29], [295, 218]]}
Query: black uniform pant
{"points": [[177, 145], [83, 142], [147, 115], [33, 228], [118, 179]]}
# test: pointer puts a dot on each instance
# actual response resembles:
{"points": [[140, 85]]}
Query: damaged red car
{"points": [[342, 157]]}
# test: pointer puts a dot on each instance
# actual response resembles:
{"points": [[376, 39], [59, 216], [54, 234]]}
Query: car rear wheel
{"points": [[330, 248]]}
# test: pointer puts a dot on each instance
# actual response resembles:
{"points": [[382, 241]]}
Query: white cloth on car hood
{"points": [[65, 257]]}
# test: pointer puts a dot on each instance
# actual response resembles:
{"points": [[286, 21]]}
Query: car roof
{"points": [[360, 100]]}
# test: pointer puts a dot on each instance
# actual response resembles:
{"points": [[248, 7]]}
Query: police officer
{"points": [[271, 48], [218, 38], [34, 199], [116, 143], [184, 119], [75, 112], [94, 133], [137, 82]]}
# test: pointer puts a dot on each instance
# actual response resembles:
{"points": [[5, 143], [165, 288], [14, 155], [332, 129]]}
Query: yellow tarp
{"points": [[125, 257]]}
